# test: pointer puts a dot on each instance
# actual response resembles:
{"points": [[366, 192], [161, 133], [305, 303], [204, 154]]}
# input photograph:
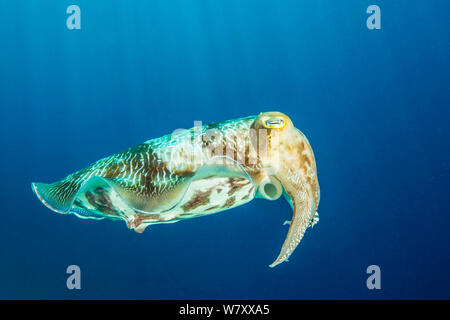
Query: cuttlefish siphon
{"points": [[200, 171]]}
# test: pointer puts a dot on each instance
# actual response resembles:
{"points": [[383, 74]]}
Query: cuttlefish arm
{"points": [[304, 210], [290, 160]]}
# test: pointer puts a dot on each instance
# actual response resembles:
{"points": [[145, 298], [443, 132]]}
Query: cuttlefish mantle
{"points": [[197, 172]]}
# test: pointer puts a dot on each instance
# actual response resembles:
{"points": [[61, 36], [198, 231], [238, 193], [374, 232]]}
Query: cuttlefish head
{"points": [[289, 168]]}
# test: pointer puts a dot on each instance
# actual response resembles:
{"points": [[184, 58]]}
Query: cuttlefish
{"points": [[196, 172]]}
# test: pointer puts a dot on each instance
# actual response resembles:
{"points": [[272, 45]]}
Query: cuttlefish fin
{"points": [[56, 196], [71, 196]]}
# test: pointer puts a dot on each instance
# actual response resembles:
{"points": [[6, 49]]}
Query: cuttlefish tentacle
{"points": [[196, 172]]}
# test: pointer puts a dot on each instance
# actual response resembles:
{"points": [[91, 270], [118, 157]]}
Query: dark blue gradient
{"points": [[373, 103]]}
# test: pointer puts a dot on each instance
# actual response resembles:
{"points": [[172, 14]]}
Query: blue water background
{"points": [[373, 103]]}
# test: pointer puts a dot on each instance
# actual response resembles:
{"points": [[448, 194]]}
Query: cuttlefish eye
{"points": [[274, 123]]}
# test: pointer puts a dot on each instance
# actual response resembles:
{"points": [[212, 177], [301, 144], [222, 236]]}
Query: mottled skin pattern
{"points": [[195, 172]]}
